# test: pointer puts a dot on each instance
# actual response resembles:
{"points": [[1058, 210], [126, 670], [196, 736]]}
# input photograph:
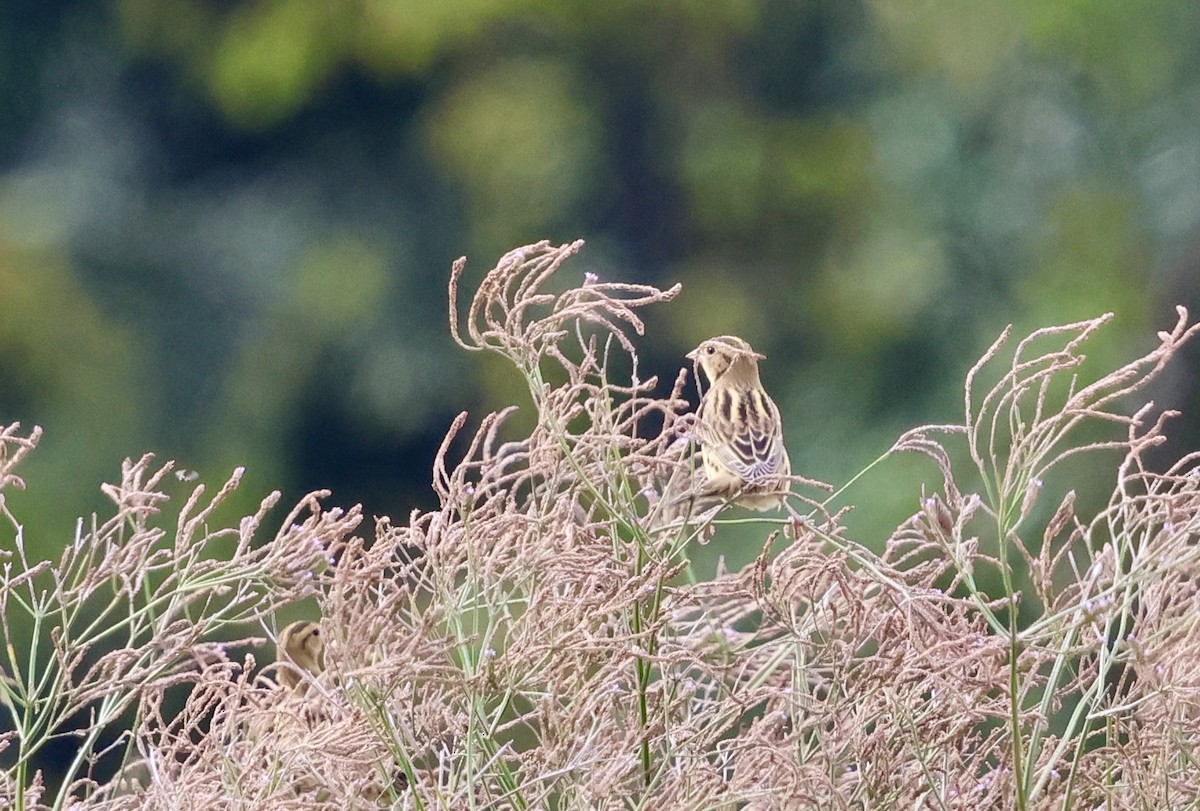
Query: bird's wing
{"points": [[751, 446]]}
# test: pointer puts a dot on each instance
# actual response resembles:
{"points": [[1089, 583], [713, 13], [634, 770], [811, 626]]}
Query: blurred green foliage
{"points": [[225, 228]]}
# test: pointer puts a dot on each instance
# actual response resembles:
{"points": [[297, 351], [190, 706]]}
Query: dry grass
{"points": [[538, 642]]}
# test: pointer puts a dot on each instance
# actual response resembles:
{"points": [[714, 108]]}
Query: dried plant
{"points": [[539, 642]]}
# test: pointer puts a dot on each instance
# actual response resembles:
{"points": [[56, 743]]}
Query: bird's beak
{"points": [[692, 355]]}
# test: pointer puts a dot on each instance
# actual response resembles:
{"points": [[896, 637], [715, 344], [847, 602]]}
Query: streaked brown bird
{"points": [[301, 648], [739, 428]]}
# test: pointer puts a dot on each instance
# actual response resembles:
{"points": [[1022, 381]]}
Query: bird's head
{"points": [[717, 356], [300, 644]]}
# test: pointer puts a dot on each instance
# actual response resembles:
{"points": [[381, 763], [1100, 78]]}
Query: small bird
{"points": [[300, 646], [739, 428]]}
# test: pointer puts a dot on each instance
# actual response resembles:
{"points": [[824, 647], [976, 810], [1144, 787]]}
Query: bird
{"points": [[738, 427], [299, 715], [286, 714], [281, 711], [299, 648]]}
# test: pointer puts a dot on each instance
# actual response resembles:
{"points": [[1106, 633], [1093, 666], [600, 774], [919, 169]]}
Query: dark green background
{"points": [[226, 227]]}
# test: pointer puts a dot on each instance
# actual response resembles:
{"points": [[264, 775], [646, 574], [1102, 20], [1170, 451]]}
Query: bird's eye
{"points": [[708, 350]]}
